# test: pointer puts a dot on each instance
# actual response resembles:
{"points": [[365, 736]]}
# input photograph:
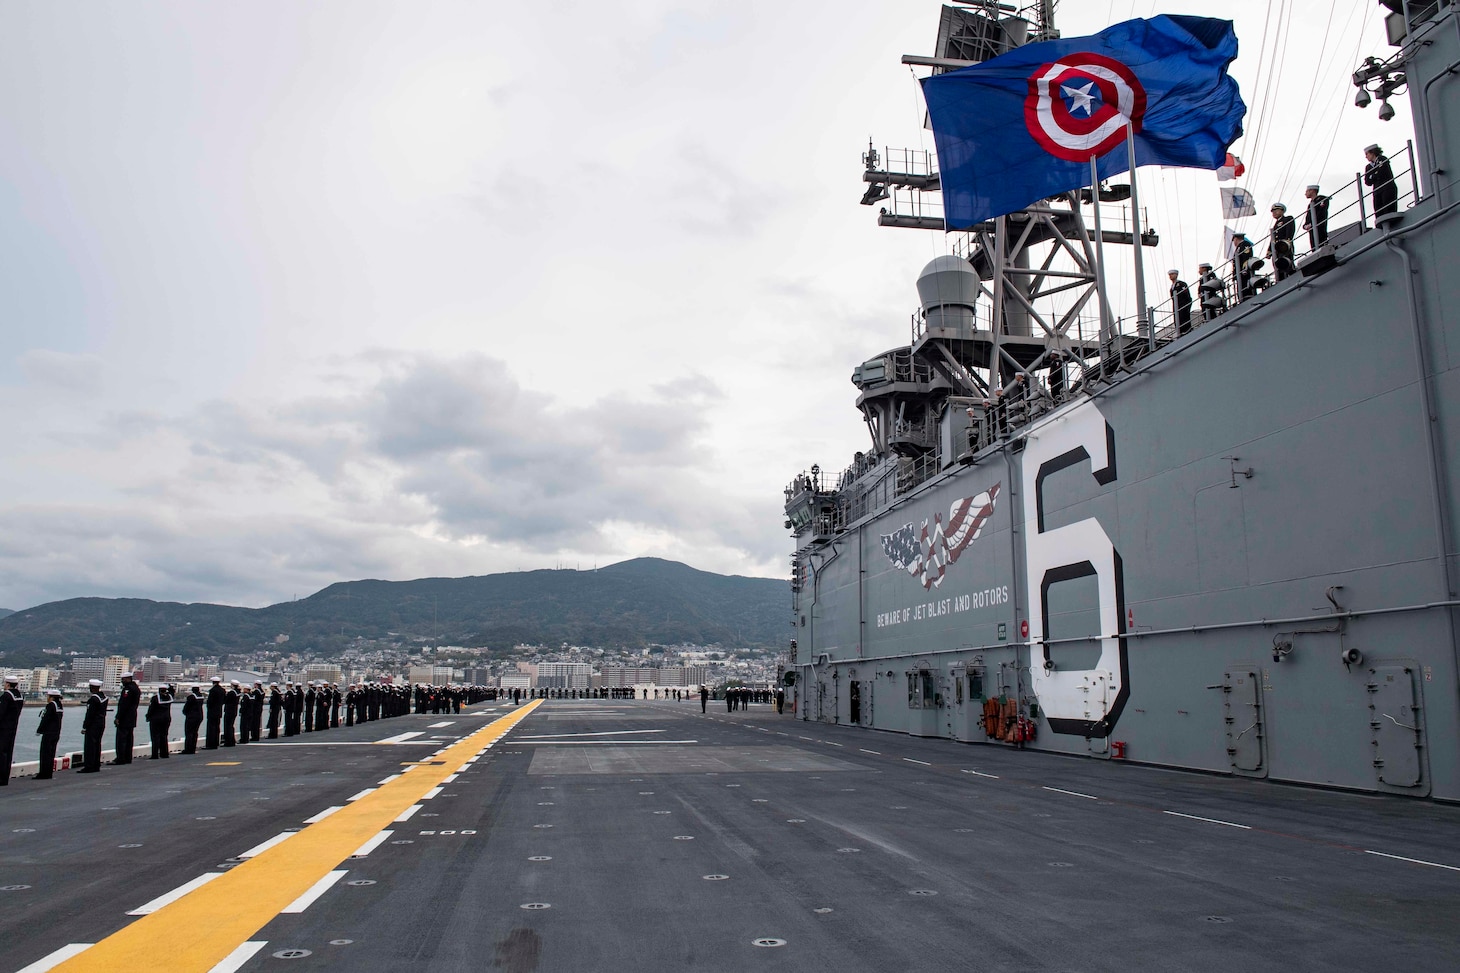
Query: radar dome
{"points": [[948, 291]]}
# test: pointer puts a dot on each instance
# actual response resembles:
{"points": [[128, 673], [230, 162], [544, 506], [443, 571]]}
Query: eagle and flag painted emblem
{"points": [[926, 554], [1023, 126]]}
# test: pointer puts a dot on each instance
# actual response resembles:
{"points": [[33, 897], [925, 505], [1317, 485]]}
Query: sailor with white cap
{"points": [[1180, 301], [159, 720], [1280, 247], [256, 712], [192, 717], [1378, 175], [1212, 290], [230, 713], [308, 707], [1316, 222], [214, 732], [128, 699], [93, 725], [11, 703], [49, 730], [276, 709]]}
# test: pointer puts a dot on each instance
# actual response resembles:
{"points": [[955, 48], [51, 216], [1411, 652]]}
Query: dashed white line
{"points": [[1197, 817], [323, 814], [372, 844], [315, 891], [830, 744], [167, 898], [449, 778], [259, 849], [1088, 797], [391, 778], [431, 793], [876, 752], [407, 813], [807, 739], [1413, 861], [368, 790], [235, 960], [437, 726], [57, 958], [402, 737], [912, 761], [979, 773]]}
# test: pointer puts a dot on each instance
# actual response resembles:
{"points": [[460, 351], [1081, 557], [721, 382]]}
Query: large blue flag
{"points": [[1022, 126]]}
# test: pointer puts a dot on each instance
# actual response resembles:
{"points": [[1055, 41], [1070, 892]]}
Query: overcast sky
{"points": [[295, 293]]}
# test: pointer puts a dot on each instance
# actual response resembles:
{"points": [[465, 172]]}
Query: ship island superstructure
{"points": [[1228, 547]]}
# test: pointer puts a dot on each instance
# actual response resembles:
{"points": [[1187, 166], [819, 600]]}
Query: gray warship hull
{"points": [[1233, 555]]}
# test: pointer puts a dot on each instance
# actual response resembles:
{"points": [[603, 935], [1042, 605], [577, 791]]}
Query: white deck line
{"points": [[390, 778], [979, 773], [167, 898], [402, 737], [372, 844], [1088, 797], [437, 726], [1412, 861], [235, 960], [596, 733], [589, 743], [315, 891], [368, 790], [431, 793], [407, 814], [259, 849], [57, 958], [323, 814], [450, 778], [912, 761], [1227, 824]]}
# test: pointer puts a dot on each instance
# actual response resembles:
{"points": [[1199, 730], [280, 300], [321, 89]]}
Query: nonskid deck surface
{"points": [[609, 835]]}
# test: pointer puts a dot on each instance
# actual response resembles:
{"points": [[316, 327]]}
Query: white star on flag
{"points": [[1081, 97]]}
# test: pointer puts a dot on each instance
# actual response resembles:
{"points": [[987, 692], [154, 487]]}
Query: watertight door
{"points": [[854, 702], [1395, 721], [1242, 714]]}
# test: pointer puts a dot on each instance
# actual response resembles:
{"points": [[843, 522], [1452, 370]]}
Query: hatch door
{"points": [[1395, 721]]}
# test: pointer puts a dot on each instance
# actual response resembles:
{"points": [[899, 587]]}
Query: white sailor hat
{"points": [[94, 683], [1313, 186], [1173, 270], [273, 685], [1374, 148], [14, 679], [1279, 206], [233, 682], [53, 692], [217, 678], [127, 675], [1203, 264]]}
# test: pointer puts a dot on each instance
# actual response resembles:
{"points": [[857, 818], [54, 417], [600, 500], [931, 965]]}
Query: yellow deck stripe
{"points": [[207, 924]]}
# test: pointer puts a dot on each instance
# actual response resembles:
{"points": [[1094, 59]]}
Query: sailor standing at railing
{"points": [[49, 730], [1213, 292], [1316, 222], [1180, 301], [128, 699], [1380, 176], [11, 703], [159, 720], [93, 725], [1280, 247], [192, 717]]}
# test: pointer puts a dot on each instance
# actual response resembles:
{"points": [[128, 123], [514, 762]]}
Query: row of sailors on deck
{"points": [[1281, 249], [226, 717]]}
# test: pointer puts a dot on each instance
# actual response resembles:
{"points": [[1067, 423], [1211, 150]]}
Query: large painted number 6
{"points": [[1078, 702]]}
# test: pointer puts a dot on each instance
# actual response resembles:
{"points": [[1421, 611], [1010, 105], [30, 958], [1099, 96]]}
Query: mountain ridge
{"points": [[629, 604]]}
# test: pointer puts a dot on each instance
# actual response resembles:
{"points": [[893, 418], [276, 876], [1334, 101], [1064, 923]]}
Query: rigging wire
{"points": [[1312, 94]]}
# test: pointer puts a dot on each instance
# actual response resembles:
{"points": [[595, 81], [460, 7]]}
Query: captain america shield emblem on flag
{"points": [[1078, 106]]}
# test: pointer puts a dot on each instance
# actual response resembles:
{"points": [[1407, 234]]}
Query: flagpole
{"points": [[1105, 324], [1143, 319], [1000, 243]]}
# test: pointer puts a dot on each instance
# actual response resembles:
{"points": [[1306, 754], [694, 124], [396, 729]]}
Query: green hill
{"points": [[631, 604]]}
